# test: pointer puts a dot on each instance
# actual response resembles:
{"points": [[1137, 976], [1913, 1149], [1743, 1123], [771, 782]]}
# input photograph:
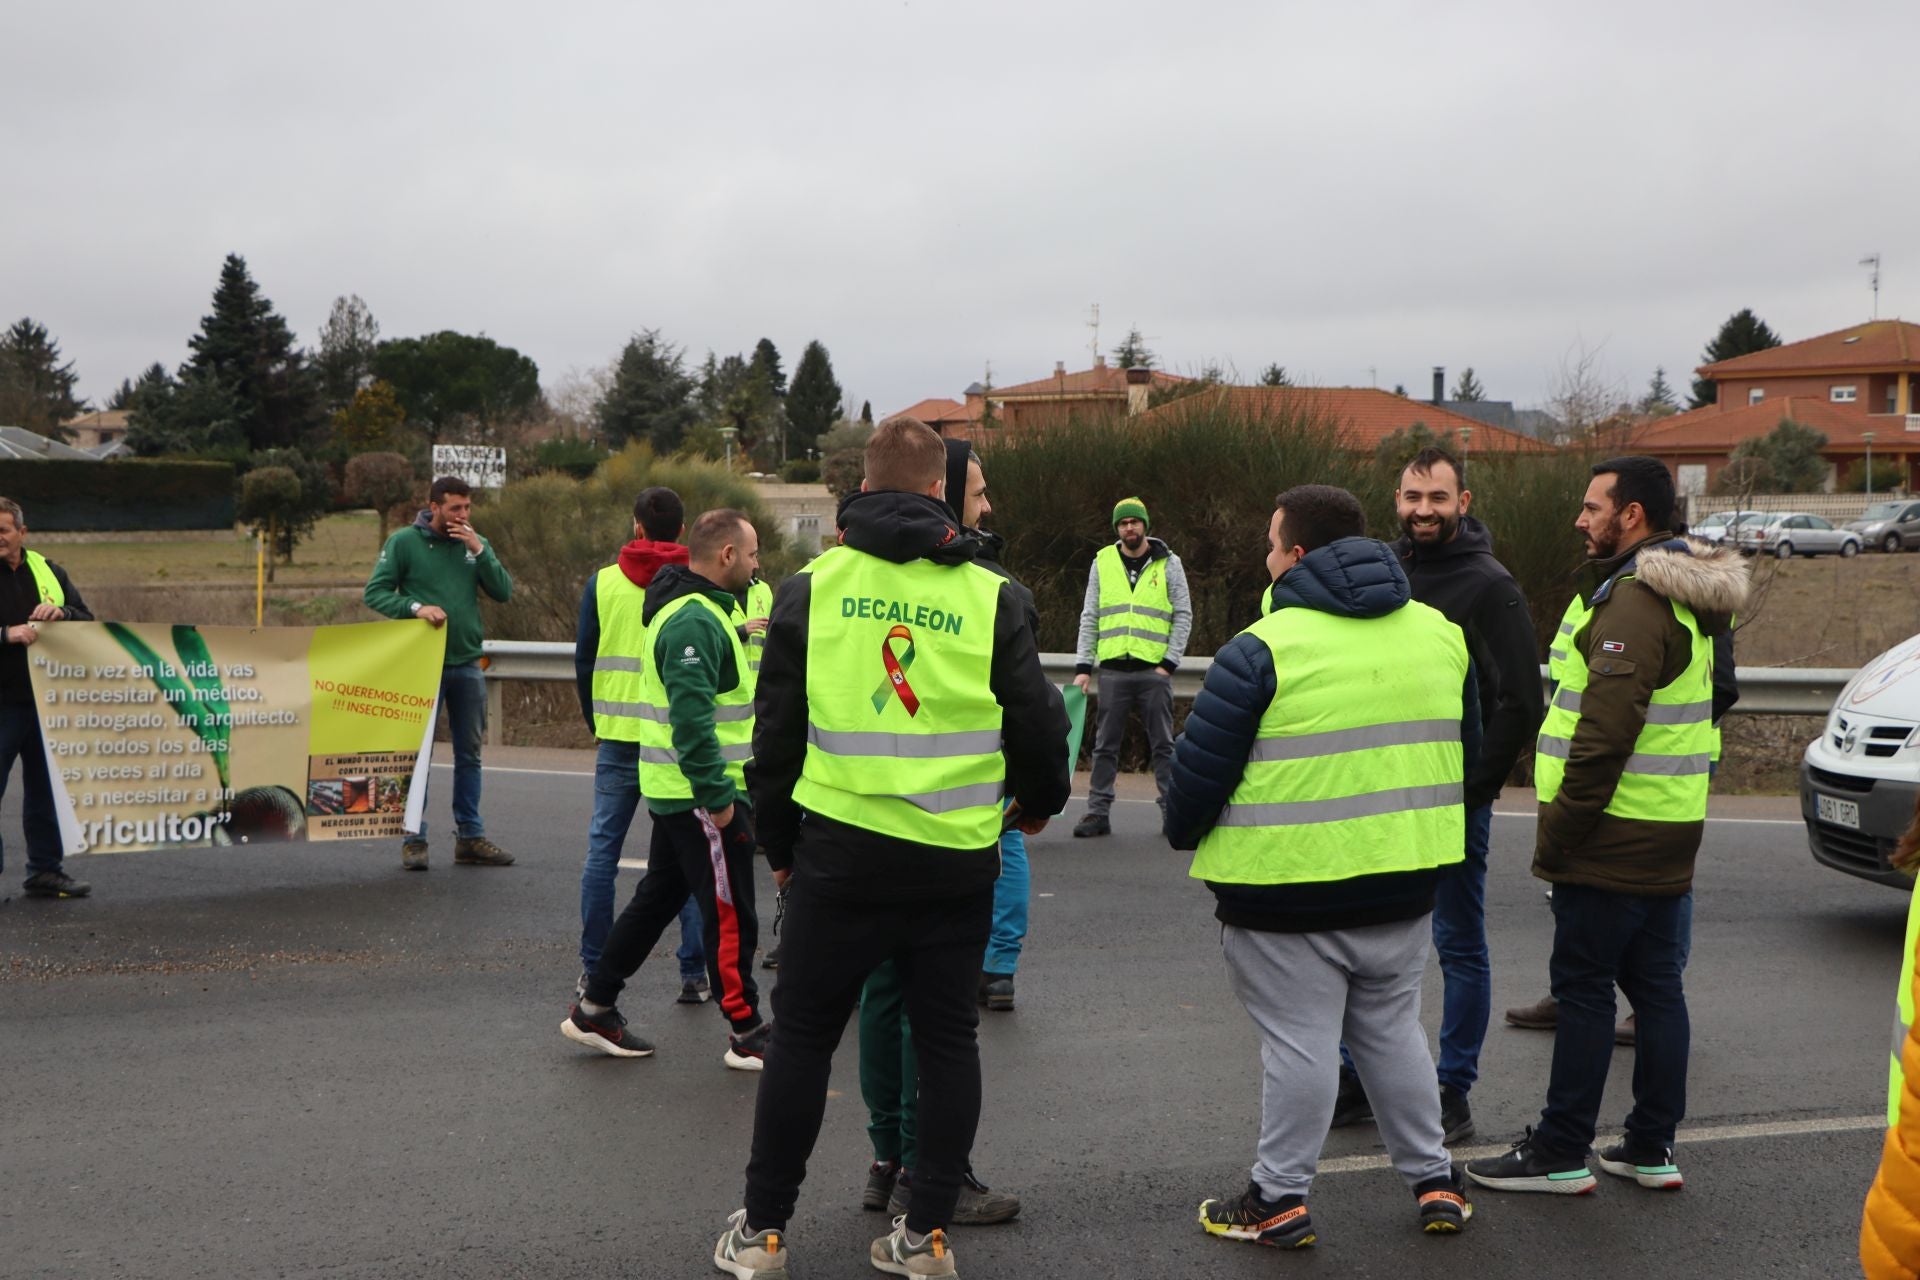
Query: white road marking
{"points": [[1705, 1133]]}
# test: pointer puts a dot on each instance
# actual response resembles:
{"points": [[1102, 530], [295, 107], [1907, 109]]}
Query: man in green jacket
{"points": [[696, 740], [434, 570]]}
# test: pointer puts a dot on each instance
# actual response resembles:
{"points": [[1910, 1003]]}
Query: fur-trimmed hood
{"points": [[1712, 581]]}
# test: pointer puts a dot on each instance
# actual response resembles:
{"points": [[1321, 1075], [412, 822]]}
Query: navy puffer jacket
{"points": [[1354, 578]]}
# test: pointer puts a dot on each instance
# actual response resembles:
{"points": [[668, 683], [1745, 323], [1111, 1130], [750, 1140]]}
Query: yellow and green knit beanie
{"points": [[1130, 509]]}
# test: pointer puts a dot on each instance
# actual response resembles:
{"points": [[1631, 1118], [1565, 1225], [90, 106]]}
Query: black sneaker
{"points": [[1350, 1105], [1527, 1168], [996, 991], [1647, 1164], [902, 1192], [693, 990], [1443, 1205], [1279, 1224], [1094, 824], [748, 1051], [55, 884], [880, 1179], [1456, 1117], [580, 987], [606, 1032], [771, 960]]}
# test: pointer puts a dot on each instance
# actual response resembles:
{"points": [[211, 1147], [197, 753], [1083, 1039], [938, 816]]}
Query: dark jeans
{"points": [[20, 740], [1460, 936], [889, 1073], [827, 949], [463, 692], [1149, 693], [1600, 938], [689, 854], [616, 798]]}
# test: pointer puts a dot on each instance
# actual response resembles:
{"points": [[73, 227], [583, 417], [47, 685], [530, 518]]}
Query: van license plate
{"points": [[1841, 813]]}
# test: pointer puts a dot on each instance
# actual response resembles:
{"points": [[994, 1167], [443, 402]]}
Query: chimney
{"points": [[1439, 383], [1099, 361], [1139, 388], [1060, 376]]}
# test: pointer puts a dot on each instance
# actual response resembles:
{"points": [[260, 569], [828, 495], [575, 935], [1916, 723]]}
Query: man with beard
{"points": [[1134, 625], [1448, 558], [1621, 769], [901, 698]]}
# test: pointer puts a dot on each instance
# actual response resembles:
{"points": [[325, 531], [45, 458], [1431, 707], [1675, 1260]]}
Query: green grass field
{"points": [[342, 549]]}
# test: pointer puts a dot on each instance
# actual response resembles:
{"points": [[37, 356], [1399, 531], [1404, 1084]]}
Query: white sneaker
{"points": [[762, 1256]]}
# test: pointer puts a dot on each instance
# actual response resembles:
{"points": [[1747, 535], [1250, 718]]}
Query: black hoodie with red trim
{"points": [[639, 560]]}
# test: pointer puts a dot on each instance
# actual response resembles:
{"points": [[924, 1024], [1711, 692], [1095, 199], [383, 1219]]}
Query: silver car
{"points": [[1721, 526], [1890, 526], [1796, 533]]}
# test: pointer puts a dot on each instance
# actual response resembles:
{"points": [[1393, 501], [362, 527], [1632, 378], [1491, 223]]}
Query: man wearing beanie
{"points": [[1134, 627]]}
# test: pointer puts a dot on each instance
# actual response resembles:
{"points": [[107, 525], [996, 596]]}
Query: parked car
{"points": [[1890, 526], [1717, 527], [1795, 533], [1859, 779]]}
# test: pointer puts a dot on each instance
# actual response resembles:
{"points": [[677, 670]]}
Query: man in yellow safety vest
{"points": [[1621, 771], [900, 700], [34, 591]]}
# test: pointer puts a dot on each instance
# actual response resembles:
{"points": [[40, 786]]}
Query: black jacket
{"points": [[19, 597], [850, 862], [1462, 579], [1355, 578]]}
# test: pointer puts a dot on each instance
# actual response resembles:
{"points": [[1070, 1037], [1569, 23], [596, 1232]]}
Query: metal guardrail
{"points": [[1773, 691]]}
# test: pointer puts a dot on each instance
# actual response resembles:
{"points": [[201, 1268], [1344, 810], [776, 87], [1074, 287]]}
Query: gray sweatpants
{"points": [[1304, 992], [1151, 694]]}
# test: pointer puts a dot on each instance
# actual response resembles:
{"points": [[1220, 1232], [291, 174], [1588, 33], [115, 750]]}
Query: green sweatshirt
{"points": [[694, 655], [420, 566]]}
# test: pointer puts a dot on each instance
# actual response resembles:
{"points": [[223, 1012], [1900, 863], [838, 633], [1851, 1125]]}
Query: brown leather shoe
{"points": [[478, 851], [1543, 1016]]}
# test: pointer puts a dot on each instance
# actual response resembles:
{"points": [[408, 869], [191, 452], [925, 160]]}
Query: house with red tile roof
{"points": [[948, 417], [1104, 391], [1362, 416], [1856, 386]]}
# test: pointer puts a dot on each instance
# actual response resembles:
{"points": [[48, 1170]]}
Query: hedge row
{"points": [[69, 495]]}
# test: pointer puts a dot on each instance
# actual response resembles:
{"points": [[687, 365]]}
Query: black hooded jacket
{"points": [[1462, 579], [1355, 578], [849, 862]]}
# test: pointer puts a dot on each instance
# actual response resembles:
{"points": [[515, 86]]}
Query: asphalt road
{"points": [[305, 1062]]}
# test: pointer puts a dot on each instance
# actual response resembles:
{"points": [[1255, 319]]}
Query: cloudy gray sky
{"points": [[926, 187]]}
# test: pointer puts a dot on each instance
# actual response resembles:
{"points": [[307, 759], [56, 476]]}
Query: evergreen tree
{"points": [[766, 363], [195, 416], [1743, 334], [457, 385], [246, 348], [650, 397], [296, 520], [866, 412], [813, 401], [1469, 388], [347, 342], [1132, 352], [735, 392], [36, 389], [371, 422], [1275, 375], [1659, 400]]}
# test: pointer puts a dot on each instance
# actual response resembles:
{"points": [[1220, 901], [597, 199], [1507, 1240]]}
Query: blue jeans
{"points": [[1600, 938], [463, 692], [1009, 906], [20, 740], [616, 798], [1460, 936]]}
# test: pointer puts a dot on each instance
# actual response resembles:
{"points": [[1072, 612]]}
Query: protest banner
{"points": [[181, 737], [481, 466]]}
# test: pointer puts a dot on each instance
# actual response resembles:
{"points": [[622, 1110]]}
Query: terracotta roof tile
{"points": [[936, 411], [1099, 380], [1717, 430], [1366, 415], [1877, 344]]}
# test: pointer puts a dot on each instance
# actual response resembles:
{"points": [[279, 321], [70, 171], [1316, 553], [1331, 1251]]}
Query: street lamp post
{"points": [[1868, 437], [727, 434]]}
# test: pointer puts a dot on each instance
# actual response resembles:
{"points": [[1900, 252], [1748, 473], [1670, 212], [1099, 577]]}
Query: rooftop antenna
{"points": [[1872, 262], [1373, 377], [1093, 323]]}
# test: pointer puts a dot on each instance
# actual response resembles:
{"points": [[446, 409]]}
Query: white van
{"points": [[1860, 778]]}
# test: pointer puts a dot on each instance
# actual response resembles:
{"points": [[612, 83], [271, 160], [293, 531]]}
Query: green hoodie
{"points": [[694, 654], [420, 566]]}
